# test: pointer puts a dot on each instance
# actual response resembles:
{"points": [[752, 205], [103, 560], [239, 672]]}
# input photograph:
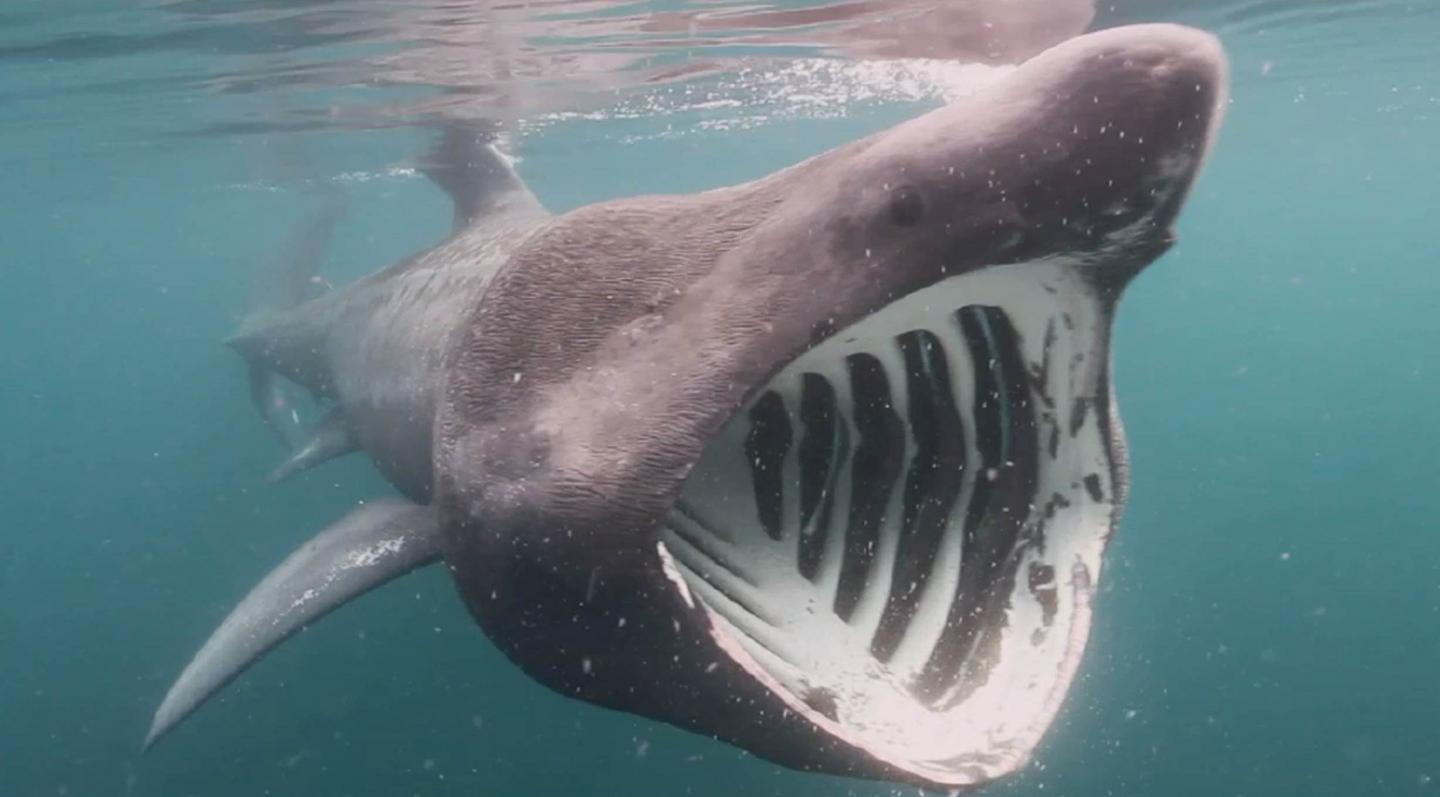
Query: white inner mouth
{"points": [[901, 534]]}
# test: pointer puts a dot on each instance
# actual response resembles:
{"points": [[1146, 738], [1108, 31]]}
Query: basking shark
{"points": [[822, 465]]}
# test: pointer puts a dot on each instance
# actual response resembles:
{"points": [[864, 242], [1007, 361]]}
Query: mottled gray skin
{"points": [[551, 381]]}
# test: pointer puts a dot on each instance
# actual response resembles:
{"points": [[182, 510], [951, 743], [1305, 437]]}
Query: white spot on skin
{"points": [[371, 556], [305, 597], [364, 557]]}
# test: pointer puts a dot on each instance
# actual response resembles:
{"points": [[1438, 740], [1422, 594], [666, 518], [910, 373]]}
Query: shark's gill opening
{"points": [[901, 532]]}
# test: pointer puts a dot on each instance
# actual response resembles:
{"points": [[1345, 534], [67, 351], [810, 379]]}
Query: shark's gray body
{"points": [[821, 465], [376, 347]]}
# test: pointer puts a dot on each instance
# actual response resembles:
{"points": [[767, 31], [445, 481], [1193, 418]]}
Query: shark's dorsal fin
{"points": [[469, 166], [332, 437], [374, 544]]}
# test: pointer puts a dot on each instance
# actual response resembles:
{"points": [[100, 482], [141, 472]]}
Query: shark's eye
{"points": [[906, 206]]}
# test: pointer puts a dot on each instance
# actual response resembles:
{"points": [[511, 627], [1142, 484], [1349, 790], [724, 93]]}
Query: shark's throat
{"points": [[902, 532]]}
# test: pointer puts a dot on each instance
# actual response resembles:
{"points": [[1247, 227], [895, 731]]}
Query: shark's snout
{"points": [[1157, 96], [1090, 148]]}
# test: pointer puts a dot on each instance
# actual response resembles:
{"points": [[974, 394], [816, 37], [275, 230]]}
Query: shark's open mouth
{"points": [[901, 532]]}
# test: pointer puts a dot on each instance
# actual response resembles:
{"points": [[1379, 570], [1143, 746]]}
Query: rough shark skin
{"points": [[821, 465]]}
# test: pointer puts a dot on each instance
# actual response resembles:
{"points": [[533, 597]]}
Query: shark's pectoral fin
{"points": [[372, 545], [331, 438]]}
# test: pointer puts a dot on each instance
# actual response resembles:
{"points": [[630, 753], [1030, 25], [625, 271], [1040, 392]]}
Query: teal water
{"points": [[1270, 620]]}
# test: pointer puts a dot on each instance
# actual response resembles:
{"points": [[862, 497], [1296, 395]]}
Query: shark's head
{"points": [[824, 464]]}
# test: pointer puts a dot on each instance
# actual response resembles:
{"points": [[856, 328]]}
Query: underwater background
{"points": [[1269, 622]]}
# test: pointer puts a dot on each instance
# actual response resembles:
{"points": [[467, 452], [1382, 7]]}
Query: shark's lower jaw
{"points": [[901, 534]]}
